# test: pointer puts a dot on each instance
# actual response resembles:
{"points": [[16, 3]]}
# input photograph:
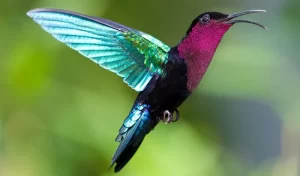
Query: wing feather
{"points": [[131, 54]]}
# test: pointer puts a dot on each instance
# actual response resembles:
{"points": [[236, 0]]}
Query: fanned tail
{"points": [[136, 126]]}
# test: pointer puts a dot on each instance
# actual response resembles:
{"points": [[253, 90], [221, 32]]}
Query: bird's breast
{"points": [[196, 68]]}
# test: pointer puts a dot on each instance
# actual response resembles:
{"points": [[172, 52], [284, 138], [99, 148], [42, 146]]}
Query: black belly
{"points": [[167, 92]]}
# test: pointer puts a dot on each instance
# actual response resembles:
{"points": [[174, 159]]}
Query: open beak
{"points": [[231, 18]]}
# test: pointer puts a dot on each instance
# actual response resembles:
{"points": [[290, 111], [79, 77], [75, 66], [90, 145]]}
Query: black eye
{"points": [[205, 19]]}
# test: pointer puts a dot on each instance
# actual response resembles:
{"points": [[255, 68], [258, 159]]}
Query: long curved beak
{"points": [[231, 18]]}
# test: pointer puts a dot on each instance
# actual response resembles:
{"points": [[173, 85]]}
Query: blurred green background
{"points": [[60, 112]]}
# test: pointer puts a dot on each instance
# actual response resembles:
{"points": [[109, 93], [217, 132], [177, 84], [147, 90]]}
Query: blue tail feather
{"points": [[135, 127]]}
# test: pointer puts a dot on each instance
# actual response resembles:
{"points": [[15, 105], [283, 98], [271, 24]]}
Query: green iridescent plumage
{"points": [[131, 54], [154, 55]]}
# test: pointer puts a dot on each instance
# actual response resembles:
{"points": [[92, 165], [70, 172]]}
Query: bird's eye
{"points": [[205, 19]]}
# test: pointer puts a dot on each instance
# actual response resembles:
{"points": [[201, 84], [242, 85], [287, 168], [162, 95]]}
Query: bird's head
{"points": [[207, 30], [212, 20]]}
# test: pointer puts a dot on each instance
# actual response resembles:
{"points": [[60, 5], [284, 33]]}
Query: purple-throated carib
{"points": [[164, 76]]}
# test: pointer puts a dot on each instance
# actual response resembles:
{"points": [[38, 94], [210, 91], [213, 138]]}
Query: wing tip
{"points": [[31, 12], [36, 10]]}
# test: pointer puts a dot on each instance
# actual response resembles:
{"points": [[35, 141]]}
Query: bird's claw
{"points": [[168, 116]]}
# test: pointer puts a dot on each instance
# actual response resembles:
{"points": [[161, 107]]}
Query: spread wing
{"points": [[131, 54]]}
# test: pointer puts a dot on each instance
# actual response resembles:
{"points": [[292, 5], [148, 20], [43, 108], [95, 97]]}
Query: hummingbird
{"points": [[164, 76]]}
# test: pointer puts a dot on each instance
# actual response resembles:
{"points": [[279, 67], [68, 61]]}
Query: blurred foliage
{"points": [[60, 112]]}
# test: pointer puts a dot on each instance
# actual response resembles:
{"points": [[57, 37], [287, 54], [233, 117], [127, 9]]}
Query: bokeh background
{"points": [[60, 112]]}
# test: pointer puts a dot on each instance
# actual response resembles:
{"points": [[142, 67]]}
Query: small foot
{"points": [[168, 116]]}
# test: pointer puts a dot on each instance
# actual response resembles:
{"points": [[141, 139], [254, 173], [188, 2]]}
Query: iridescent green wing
{"points": [[132, 54]]}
